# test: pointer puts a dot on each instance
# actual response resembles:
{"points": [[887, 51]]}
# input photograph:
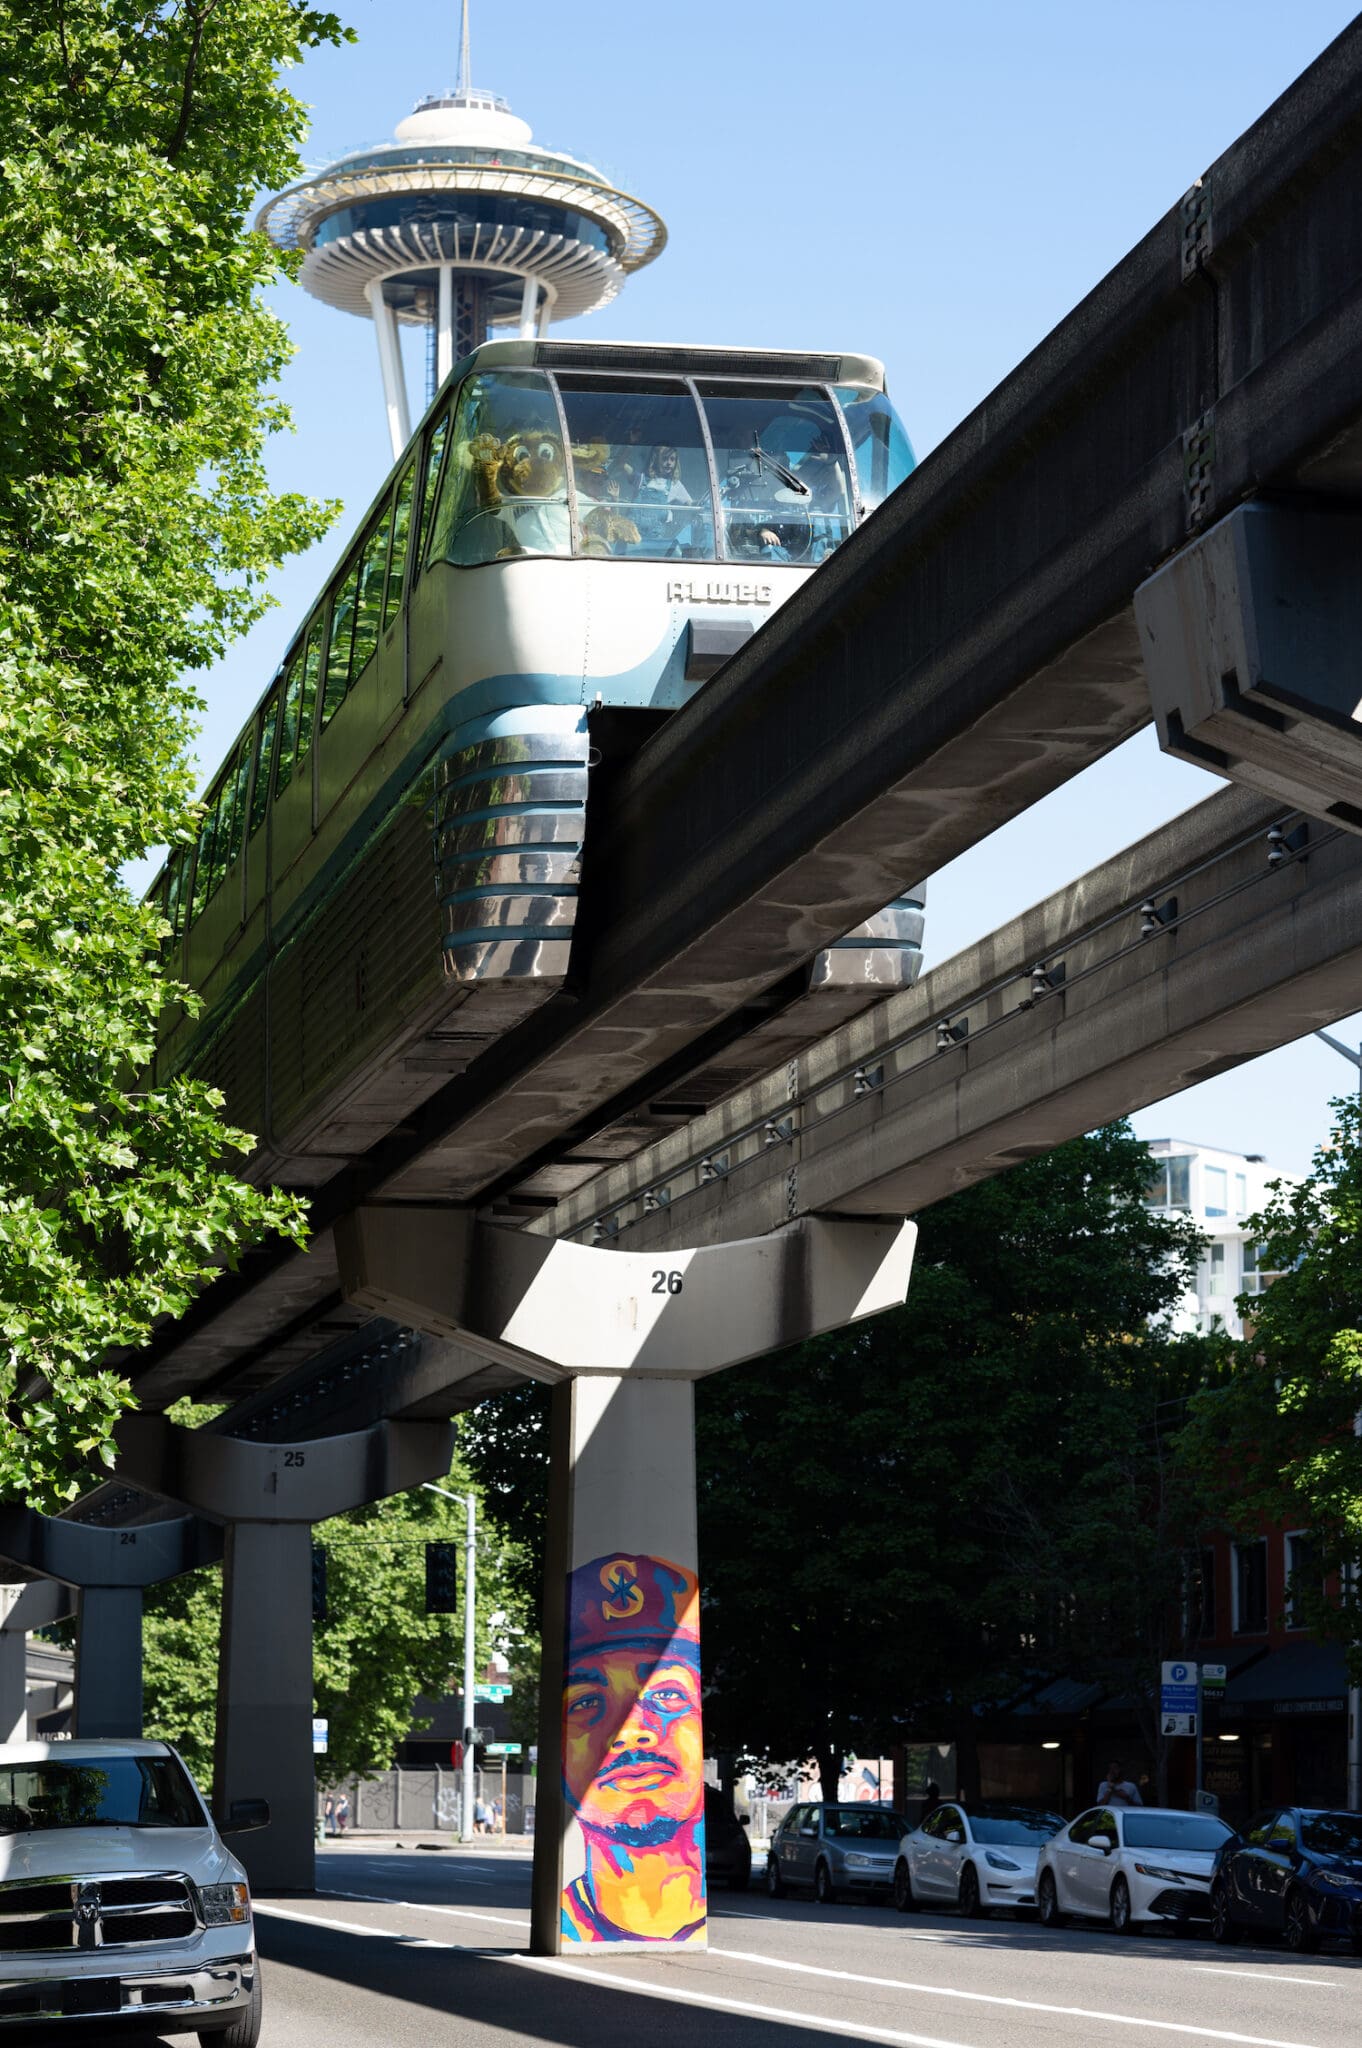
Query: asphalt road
{"points": [[399, 1949]]}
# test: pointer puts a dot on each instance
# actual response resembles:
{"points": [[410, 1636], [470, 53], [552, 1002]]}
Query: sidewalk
{"points": [[429, 1838]]}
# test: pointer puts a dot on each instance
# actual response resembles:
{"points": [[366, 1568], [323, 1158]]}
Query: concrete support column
{"points": [[269, 1496], [36, 1604], [619, 1821], [264, 1726], [390, 366], [108, 1661]]}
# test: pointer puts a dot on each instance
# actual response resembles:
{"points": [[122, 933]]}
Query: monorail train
{"points": [[386, 875]]}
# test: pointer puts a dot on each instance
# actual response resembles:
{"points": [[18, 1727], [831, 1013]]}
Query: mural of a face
{"points": [[633, 1751]]}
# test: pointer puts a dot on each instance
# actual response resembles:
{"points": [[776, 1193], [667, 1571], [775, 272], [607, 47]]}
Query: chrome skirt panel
{"points": [[510, 818]]}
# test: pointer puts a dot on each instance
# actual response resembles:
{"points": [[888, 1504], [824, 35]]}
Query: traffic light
{"points": [[442, 1578], [318, 1583]]}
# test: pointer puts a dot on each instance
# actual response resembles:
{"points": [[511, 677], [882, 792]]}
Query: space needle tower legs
{"points": [[390, 365]]}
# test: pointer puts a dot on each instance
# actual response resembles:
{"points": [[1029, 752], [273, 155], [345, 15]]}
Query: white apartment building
{"points": [[1218, 1190]]}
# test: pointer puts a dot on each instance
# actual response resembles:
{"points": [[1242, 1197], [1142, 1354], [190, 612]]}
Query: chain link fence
{"points": [[429, 1800]]}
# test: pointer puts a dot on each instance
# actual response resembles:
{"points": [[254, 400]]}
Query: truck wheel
{"points": [[244, 2030]]}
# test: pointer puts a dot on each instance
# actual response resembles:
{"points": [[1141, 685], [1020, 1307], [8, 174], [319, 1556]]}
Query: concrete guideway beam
{"points": [[1251, 639], [269, 1495], [23, 1608], [619, 1827], [110, 1568], [1210, 941]]}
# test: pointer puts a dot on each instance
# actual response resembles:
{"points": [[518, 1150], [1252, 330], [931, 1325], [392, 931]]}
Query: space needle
{"points": [[461, 224]]}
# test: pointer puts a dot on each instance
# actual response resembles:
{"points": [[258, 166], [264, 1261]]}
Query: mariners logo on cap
{"points": [[620, 1579]]}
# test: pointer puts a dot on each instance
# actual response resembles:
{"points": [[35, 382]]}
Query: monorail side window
{"points": [[174, 893], [640, 468], [883, 452], [397, 560], [504, 488], [435, 448], [312, 666], [785, 494], [203, 862], [260, 788], [369, 598], [291, 693], [342, 629]]}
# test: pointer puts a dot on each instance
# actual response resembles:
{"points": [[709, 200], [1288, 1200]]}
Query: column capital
{"points": [[81, 1555], [231, 1479], [554, 1308]]}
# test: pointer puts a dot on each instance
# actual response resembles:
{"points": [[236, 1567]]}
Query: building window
{"points": [[1257, 1277], [1215, 1184], [1170, 1186], [1250, 1587], [1304, 1574], [1240, 1194], [1214, 1269]]}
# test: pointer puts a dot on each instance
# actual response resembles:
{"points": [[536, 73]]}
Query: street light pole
{"points": [[1354, 1690], [469, 1627]]}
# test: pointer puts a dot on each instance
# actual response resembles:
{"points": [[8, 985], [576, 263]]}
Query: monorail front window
{"points": [[745, 471]]}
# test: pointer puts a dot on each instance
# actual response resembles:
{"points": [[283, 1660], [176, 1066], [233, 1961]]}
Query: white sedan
{"points": [[973, 1858], [1126, 1864]]}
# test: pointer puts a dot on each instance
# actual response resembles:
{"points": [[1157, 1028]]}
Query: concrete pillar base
{"points": [[264, 1729], [109, 1662]]}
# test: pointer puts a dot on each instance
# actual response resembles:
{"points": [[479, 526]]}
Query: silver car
{"points": [[836, 1851]]}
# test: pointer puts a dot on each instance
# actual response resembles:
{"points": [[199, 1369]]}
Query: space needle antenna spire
{"points": [[465, 68]]}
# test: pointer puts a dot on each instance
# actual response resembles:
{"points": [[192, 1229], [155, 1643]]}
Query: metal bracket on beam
{"points": [[1252, 642], [552, 1307]]}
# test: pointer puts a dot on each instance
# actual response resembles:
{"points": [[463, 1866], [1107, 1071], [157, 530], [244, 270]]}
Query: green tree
{"points": [[915, 1513], [1274, 1435], [136, 526], [374, 1653]]}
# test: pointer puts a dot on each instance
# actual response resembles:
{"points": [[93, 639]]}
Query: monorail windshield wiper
{"points": [[787, 476]]}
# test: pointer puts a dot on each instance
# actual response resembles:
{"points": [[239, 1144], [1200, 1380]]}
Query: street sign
{"points": [[503, 1749], [1178, 1695], [320, 1731], [1213, 1677], [495, 1693], [1179, 1724]]}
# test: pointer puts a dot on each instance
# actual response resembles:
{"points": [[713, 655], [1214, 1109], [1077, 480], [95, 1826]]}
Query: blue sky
{"points": [[937, 186]]}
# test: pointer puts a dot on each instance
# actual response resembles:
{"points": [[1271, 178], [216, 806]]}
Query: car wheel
{"points": [[823, 1888], [1224, 1926], [1122, 1919], [244, 2030], [905, 1899], [775, 1883], [1301, 1938], [969, 1901], [1047, 1901]]}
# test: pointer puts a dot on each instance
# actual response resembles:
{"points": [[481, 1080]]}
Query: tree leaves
{"points": [[136, 524]]}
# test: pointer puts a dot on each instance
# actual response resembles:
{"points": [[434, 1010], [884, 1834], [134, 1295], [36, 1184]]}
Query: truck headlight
{"points": [[224, 1904]]}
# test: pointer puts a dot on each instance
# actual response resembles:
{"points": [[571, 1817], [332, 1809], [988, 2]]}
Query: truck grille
{"points": [[95, 1912]]}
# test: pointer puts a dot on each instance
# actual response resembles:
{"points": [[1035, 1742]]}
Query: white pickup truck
{"points": [[118, 1899]]}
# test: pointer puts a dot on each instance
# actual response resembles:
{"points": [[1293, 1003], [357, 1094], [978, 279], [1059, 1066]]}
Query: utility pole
{"points": [[1354, 1690], [470, 1506]]}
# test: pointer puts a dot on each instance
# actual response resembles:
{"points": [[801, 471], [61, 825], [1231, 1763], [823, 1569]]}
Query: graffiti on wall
{"points": [[633, 1751]]}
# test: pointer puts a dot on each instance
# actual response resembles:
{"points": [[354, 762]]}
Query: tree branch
{"points": [[181, 134]]}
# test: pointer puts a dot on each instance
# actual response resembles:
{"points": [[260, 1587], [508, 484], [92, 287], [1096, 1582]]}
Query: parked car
{"points": [[835, 1850], [118, 1897], [1297, 1872], [973, 1858], [1127, 1864], [728, 1853]]}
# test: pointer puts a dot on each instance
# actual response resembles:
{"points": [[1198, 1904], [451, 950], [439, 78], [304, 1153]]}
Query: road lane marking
{"points": [[415, 1906], [353, 1927], [1265, 1974], [1115, 2019]]}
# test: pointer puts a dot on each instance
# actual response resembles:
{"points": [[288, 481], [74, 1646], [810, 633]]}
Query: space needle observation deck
{"points": [[460, 224]]}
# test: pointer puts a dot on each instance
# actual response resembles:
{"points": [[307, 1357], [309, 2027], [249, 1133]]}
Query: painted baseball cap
{"points": [[629, 1602]]}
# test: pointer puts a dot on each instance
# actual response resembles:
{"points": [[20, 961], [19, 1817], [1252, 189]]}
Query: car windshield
{"points": [[866, 1823], [116, 1791], [1332, 1834], [1018, 1826], [1198, 1831]]}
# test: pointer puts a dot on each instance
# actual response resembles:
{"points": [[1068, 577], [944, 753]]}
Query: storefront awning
{"points": [[1306, 1678]]}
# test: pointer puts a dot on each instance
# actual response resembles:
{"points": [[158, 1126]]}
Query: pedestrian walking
{"points": [[1116, 1789], [482, 1817], [329, 1815], [342, 1814]]}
